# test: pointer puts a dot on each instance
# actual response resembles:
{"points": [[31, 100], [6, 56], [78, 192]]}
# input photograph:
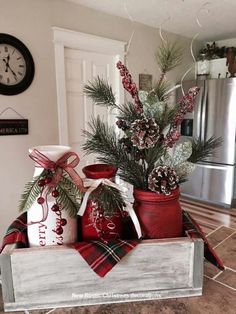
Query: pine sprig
{"points": [[100, 92], [127, 112], [102, 140], [69, 196], [169, 56], [201, 150], [160, 90], [166, 117], [108, 198], [31, 192]]}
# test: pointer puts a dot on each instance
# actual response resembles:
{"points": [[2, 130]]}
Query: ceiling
{"points": [[213, 19]]}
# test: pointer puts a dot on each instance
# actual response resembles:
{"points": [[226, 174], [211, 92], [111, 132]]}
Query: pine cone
{"points": [[145, 133], [163, 180]]}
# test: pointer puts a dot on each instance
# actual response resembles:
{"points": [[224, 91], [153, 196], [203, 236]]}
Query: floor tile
{"points": [[219, 235], [228, 277], [227, 252], [210, 270]]}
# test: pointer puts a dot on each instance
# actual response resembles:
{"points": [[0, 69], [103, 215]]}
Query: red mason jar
{"points": [[97, 225], [160, 216]]}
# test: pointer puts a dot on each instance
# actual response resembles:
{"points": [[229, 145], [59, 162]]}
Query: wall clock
{"points": [[16, 66]]}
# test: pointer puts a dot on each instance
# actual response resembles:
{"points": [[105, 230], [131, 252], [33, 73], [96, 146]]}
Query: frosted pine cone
{"points": [[145, 133], [163, 180]]}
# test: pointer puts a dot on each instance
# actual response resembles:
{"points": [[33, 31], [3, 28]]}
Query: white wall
{"points": [[31, 22], [227, 42]]}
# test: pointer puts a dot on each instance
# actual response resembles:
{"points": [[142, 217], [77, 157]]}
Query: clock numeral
{"points": [[21, 66], [18, 58], [13, 51], [6, 49], [19, 73], [8, 80]]}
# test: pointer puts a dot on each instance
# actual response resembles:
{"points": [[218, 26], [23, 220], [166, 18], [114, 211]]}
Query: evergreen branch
{"points": [[151, 157], [169, 56], [68, 196], [100, 92], [201, 150], [102, 141], [165, 119], [160, 90], [108, 198], [127, 112], [31, 193]]}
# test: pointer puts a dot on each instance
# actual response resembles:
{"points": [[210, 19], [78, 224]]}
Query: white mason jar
{"points": [[44, 233]]}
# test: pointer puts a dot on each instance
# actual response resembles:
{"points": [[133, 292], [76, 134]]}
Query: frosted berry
{"points": [[41, 182], [55, 193], [40, 200], [63, 222], [55, 208], [59, 230], [48, 180]]}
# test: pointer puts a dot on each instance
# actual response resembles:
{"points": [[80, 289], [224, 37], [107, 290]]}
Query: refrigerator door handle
{"points": [[204, 113], [198, 112]]}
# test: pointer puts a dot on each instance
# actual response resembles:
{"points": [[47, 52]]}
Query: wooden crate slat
{"points": [[59, 276]]}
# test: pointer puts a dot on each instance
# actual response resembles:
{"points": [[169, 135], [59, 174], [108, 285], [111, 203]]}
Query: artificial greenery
{"points": [[108, 198], [202, 150], [31, 192], [146, 146], [69, 196]]}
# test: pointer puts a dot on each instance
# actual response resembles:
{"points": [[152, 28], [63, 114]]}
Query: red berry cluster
{"points": [[186, 104], [130, 86], [172, 137], [55, 208]]}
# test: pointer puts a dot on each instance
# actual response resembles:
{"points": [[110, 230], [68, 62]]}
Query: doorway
{"points": [[79, 59]]}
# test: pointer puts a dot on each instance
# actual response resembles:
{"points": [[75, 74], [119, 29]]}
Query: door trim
{"points": [[65, 38]]}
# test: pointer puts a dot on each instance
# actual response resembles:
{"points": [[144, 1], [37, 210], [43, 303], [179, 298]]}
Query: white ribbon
{"points": [[129, 209], [92, 184]]}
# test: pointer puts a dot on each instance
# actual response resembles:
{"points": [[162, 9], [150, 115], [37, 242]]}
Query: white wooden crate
{"points": [[38, 278]]}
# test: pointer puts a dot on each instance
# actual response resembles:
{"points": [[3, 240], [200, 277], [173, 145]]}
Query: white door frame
{"points": [[64, 38]]}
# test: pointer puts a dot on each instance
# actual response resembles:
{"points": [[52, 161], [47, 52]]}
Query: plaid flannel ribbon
{"points": [[193, 229], [100, 257], [16, 233], [103, 257]]}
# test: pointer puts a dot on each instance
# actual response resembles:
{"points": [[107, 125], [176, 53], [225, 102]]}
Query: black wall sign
{"points": [[13, 126]]}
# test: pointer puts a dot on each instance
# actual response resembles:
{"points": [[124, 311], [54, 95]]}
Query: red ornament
{"points": [[41, 182], [55, 193], [40, 200], [55, 208], [59, 230], [63, 222]]}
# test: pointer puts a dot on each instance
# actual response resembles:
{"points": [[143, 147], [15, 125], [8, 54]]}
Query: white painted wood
{"points": [[64, 39], [81, 67], [154, 269], [7, 283]]}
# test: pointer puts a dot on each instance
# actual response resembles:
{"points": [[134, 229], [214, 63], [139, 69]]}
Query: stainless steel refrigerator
{"points": [[214, 114]]}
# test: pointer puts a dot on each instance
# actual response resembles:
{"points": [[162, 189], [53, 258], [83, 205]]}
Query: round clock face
{"points": [[16, 66], [12, 65]]}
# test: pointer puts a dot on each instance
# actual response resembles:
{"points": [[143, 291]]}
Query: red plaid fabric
{"points": [[16, 233], [193, 229], [100, 257], [103, 257]]}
